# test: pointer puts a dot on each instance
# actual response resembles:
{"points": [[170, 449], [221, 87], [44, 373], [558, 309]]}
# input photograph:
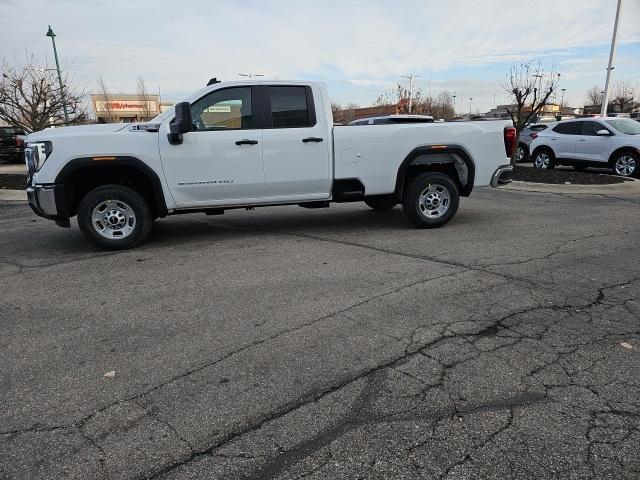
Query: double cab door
{"points": [[248, 145]]}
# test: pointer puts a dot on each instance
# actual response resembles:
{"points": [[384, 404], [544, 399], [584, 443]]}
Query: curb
{"points": [[13, 195], [632, 186]]}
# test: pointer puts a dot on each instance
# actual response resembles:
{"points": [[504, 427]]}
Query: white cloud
{"points": [[356, 44]]}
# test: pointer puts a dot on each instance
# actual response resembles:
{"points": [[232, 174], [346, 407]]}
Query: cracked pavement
{"points": [[285, 343]]}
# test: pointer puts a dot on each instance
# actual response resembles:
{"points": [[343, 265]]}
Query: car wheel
{"points": [[626, 164], [544, 160], [381, 204], [522, 154], [114, 217], [430, 200]]}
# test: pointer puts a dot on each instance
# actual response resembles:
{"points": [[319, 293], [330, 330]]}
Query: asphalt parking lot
{"points": [[284, 343]]}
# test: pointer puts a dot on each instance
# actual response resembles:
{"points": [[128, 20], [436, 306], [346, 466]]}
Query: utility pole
{"points": [[605, 100], [410, 77], [55, 54]]}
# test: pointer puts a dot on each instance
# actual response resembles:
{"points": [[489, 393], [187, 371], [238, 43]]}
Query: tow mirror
{"points": [[181, 123], [604, 132]]}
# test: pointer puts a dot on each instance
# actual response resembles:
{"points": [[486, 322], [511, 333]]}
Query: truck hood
{"points": [[52, 133]]}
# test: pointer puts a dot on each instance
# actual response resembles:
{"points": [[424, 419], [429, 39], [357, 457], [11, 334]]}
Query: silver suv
{"points": [[593, 142]]}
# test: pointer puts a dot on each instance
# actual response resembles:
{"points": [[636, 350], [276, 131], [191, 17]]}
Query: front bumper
{"points": [[502, 175], [11, 152], [47, 201]]}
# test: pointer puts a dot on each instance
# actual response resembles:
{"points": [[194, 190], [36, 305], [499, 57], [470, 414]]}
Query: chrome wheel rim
{"points": [[113, 219], [625, 165], [542, 161], [519, 154], [434, 201]]}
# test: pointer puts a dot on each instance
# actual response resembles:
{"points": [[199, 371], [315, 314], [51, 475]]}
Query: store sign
{"points": [[125, 106]]}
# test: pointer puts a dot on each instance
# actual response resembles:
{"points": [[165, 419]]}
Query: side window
{"points": [[290, 107], [227, 109], [538, 128], [591, 127], [569, 128], [381, 121]]}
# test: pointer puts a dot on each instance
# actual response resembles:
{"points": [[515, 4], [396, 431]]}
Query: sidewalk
{"points": [[632, 186], [13, 195]]}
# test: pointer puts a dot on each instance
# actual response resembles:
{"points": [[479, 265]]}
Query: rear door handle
{"points": [[582, 139], [246, 142], [312, 139]]}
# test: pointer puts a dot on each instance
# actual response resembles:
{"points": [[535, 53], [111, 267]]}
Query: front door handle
{"points": [[582, 139], [312, 139], [246, 142]]}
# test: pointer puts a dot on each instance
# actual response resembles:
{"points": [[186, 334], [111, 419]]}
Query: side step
{"points": [[314, 205]]}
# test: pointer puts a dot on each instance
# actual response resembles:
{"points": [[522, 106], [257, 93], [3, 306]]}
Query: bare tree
{"points": [[399, 97], [529, 87], [624, 96], [106, 97], [594, 96], [144, 97], [442, 107], [30, 96]]}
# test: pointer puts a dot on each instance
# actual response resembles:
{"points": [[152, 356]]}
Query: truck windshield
{"points": [[624, 125]]}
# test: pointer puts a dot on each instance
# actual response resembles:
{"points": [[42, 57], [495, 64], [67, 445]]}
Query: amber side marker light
{"points": [[438, 147], [103, 158]]}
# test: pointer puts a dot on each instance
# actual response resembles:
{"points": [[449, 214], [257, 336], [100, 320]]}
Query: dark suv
{"points": [[12, 144]]}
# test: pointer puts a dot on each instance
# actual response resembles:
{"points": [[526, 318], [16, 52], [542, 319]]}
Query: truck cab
{"points": [[257, 143]]}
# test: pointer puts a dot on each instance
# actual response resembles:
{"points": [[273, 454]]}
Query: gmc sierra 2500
{"points": [[249, 144]]}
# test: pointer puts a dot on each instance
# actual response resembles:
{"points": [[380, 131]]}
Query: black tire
{"points": [[114, 198], [551, 157], [381, 204], [632, 162], [522, 153], [417, 212]]}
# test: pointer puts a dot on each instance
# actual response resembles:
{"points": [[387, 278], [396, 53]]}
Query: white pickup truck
{"points": [[249, 144]]}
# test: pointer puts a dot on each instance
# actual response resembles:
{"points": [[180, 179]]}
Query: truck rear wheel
{"points": [[114, 217], [381, 204], [430, 200]]}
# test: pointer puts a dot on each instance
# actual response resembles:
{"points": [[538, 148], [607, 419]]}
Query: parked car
{"points": [[526, 136], [12, 143], [249, 144], [595, 142], [386, 119]]}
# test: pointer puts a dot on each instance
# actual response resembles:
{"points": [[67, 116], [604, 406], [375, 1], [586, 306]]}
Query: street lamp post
{"points": [[55, 54], [605, 100], [562, 99], [250, 75], [470, 100], [454, 104], [410, 77]]}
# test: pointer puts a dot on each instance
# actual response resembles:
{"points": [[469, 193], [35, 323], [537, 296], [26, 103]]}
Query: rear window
{"points": [[6, 131], [289, 107], [569, 128], [537, 128]]}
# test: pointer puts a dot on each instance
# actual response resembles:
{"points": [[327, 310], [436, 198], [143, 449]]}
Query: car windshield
{"points": [[624, 125], [11, 131]]}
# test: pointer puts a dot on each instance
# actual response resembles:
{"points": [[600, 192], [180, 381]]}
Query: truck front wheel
{"points": [[114, 217], [430, 200]]}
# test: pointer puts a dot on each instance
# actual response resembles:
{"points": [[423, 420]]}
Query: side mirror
{"points": [[181, 123], [604, 132]]}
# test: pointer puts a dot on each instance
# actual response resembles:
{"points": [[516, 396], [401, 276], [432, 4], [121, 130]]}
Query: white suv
{"points": [[594, 142]]}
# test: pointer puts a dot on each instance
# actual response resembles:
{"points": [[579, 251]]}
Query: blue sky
{"points": [[358, 47]]}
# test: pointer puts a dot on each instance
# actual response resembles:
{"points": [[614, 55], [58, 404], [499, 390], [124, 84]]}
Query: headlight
{"points": [[36, 153]]}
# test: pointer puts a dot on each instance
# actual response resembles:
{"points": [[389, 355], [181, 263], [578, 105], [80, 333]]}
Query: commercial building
{"points": [[125, 108]]}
